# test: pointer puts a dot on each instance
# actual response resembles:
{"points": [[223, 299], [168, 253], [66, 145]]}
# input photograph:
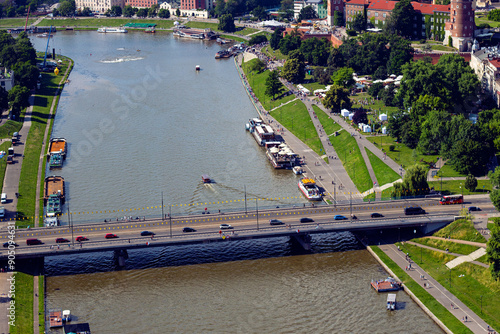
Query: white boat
{"points": [[252, 123], [391, 301], [297, 170], [280, 155], [310, 189], [263, 133], [66, 316], [111, 30], [198, 67]]}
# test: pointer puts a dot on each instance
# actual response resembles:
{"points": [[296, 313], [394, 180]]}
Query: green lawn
{"points": [[440, 311], [274, 53], [348, 151], [471, 283], [484, 19], [15, 23], [461, 229], [24, 305], [236, 39], [384, 173], [453, 187], [442, 48], [453, 247], [295, 118], [313, 86], [402, 154], [9, 127], [448, 171], [202, 25], [258, 83], [104, 22], [378, 105]]}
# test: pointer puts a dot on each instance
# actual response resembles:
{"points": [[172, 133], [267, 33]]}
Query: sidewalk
{"points": [[436, 290]]}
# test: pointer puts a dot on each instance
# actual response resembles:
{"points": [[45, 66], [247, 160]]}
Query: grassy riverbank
{"points": [[441, 312], [383, 172], [103, 22], [33, 149], [24, 305]]}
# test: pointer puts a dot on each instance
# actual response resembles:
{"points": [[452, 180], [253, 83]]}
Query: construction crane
{"points": [[27, 16], [47, 48]]}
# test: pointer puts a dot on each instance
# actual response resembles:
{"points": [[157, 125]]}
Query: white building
{"points": [[299, 4], [486, 65], [99, 6], [7, 79]]}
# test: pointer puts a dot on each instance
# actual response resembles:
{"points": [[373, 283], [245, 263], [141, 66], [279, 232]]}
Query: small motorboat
{"points": [[297, 170], [198, 67], [391, 301], [206, 179]]}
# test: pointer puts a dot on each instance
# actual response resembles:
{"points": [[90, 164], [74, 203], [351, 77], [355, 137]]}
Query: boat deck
{"points": [[54, 185], [383, 286], [55, 318], [57, 146]]}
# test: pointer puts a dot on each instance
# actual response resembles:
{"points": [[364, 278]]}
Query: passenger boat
{"points": [[263, 133], [55, 318], [206, 179], [54, 185], [44, 35], [223, 54], [391, 301], [389, 284], [297, 170], [252, 123], [112, 30], [280, 155], [310, 189]]}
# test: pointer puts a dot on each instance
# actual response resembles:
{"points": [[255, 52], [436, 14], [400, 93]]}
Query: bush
{"points": [[257, 40], [392, 147], [351, 32], [423, 41]]}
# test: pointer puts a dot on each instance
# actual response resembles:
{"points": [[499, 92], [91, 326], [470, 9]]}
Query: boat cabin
{"points": [[391, 301], [206, 179]]}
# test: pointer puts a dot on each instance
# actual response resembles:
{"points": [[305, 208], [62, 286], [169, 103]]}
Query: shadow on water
{"points": [[198, 254]]}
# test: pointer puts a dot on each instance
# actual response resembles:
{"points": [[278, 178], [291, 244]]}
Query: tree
{"points": [[315, 51], [26, 74], [273, 84], [388, 94], [260, 13], [375, 89], [142, 12], [307, 13], [290, 43], [401, 52], [414, 183], [434, 131], [494, 15], [257, 66], [337, 98], [115, 11], [226, 23], [257, 39], [359, 22], [360, 116], [338, 19], [128, 11], [67, 8], [380, 73], [177, 12], [294, 71], [152, 11], [164, 13], [494, 177], [400, 22], [495, 198], [493, 247], [343, 77], [276, 38], [18, 99], [86, 12], [4, 99], [470, 183]]}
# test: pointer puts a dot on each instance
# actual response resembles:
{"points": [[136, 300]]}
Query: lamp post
{"points": [[246, 212], [257, 210], [481, 304], [170, 218], [462, 191], [162, 214]]}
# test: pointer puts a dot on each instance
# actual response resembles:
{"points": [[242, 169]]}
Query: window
{"points": [[376, 14], [376, 22], [384, 15]]}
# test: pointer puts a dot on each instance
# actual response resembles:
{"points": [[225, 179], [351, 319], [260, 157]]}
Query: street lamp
{"points": [[462, 191], [257, 210]]}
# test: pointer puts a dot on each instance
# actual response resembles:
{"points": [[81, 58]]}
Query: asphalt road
{"points": [[126, 230]]}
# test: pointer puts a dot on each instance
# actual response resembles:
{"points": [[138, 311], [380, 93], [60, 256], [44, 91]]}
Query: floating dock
{"points": [[389, 284], [55, 318]]}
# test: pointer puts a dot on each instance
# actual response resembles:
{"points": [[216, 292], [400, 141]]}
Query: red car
{"points": [[61, 240], [80, 238], [110, 236]]}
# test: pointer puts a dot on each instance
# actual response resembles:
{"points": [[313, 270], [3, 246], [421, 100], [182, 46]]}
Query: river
{"points": [[141, 121]]}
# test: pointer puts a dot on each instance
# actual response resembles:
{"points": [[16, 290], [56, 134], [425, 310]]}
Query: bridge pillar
{"points": [[303, 239], [120, 256], [31, 266]]}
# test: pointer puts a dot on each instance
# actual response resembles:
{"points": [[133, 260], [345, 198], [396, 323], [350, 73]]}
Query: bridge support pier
{"points": [[120, 256], [303, 239]]}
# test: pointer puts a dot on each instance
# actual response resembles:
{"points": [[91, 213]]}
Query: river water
{"points": [[140, 121]]}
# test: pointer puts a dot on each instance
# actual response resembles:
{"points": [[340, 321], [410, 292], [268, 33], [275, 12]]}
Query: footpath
{"points": [[437, 291]]}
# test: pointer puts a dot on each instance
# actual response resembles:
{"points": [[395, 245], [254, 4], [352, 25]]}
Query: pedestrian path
{"points": [[458, 241], [436, 290], [467, 258], [5, 278]]}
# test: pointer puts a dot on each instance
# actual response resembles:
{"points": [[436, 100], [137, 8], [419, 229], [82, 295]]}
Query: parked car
{"points": [[339, 217], [81, 238], [146, 233], [110, 236], [3, 199], [188, 229], [376, 215], [61, 240], [306, 220], [275, 222], [10, 159], [474, 208], [225, 226]]}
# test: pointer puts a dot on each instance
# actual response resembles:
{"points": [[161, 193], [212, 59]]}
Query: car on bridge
{"points": [[339, 217], [376, 215], [81, 238], [474, 208], [110, 236], [225, 226], [147, 233], [61, 240], [188, 229], [306, 220], [275, 222], [8, 243], [33, 242]]}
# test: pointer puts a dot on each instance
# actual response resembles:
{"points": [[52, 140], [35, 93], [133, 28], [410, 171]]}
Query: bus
{"points": [[454, 199]]}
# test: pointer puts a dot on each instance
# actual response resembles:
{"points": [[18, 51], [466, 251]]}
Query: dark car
{"points": [[339, 217], [33, 242], [376, 215], [110, 236], [414, 210], [146, 233], [80, 238], [6, 244], [61, 240], [275, 222], [306, 220], [188, 229], [474, 208]]}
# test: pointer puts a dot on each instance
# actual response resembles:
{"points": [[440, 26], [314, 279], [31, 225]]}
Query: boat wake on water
{"points": [[121, 60]]}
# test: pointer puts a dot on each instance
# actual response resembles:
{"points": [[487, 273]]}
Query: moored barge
{"points": [[54, 185]]}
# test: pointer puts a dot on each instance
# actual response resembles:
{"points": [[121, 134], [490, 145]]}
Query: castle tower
{"points": [[461, 25], [332, 6]]}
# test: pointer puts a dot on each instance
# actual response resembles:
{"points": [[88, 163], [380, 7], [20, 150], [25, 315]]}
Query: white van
{"points": [[3, 199]]}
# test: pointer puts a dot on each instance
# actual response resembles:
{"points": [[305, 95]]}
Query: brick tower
{"points": [[461, 25], [332, 6]]}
